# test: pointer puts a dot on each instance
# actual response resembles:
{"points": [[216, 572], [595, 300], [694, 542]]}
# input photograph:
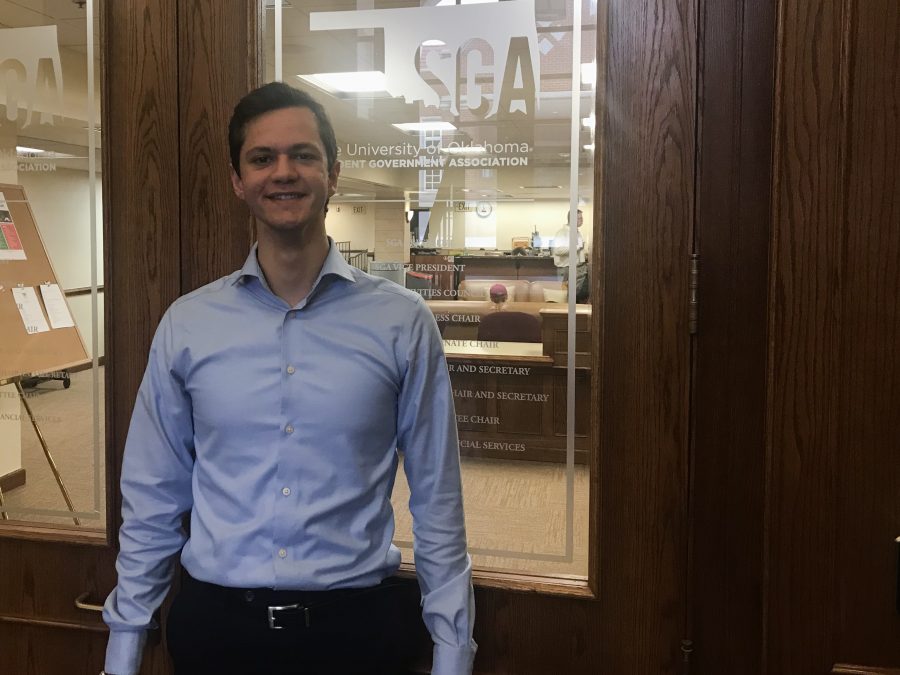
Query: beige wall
{"points": [[344, 224], [511, 219]]}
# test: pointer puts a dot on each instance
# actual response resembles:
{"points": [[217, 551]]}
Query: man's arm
{"points": [[427, 435], [156, 492]]}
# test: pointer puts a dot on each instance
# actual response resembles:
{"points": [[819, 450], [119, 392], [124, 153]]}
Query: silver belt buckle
{"points": [[273, 609]]}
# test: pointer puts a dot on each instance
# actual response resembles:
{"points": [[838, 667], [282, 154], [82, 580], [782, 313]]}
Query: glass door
{"points": [[466, 141], [52, 468]]}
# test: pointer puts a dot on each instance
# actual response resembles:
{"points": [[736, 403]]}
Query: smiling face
{"points": [[284, 178]]}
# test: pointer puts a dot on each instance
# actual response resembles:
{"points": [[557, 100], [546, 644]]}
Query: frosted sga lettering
{"points": [[489, 370], [411, 150], [38, 77], [25, 167], [457, 318], [438, 267], [476, 394], [39, 419], [476, 419], [15, 394], [7, 373], [445, 293], [46, 375], [431, 163], [25, 164], [501, 395], [492, 445], [472, 343]]}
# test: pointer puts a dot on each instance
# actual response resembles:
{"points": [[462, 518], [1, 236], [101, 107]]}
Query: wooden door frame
{"points": [[172, 68], [833, 508], [725, 620], [639, 492], [643, 449]]}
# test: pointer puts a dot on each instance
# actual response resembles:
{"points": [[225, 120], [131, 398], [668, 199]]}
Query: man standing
{"points": [[561, 260], [272, 409]]}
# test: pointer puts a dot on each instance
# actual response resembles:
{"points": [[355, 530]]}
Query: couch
{"points": [[518, 290]]}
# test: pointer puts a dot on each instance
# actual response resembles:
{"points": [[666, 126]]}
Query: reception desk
{"points": [[447, 271], [526, 268], [511, 401]]}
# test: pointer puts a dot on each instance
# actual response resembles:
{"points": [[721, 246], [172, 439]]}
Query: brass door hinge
{"points": [[693, 310]]}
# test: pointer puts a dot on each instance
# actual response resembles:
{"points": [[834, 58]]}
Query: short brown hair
{"points": [[275, 96]]}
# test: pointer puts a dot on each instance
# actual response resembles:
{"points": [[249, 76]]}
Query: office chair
{"points": [[509, 327]]}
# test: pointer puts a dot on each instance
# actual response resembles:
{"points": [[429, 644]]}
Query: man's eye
{"points": [[260, 160], [305, 156]]}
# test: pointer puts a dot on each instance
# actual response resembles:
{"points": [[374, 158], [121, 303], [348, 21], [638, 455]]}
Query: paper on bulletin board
{"points": [[10, 244], [56, 306], [30, 310]]}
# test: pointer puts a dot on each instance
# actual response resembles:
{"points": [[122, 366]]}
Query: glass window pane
{"points": [[51, 266], [465, 132]]}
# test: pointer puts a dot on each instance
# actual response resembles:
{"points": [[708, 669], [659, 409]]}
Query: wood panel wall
{"points": [[833, 377], [142, 239], [737, 65], [647, 219], [219, 62], [174, 69]]}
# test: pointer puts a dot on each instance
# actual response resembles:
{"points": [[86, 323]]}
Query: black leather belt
{"points": [[288, 608], [290, 616]]}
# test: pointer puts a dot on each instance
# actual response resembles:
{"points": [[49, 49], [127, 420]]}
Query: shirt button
{"points": [[289, 429], [282, 553], [291, 370], [286, 491]]}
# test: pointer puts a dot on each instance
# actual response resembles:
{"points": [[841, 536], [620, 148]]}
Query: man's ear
{"points": [[237, 184], [333, 178]]}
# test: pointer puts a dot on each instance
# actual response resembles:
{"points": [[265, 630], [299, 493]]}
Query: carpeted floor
{"points": [[66, 419], [515, 511], [515, 517]]}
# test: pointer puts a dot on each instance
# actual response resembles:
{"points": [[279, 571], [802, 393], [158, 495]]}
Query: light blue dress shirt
{"points": [[277, 428]]}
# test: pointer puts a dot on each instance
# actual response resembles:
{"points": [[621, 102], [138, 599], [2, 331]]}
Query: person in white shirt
{"points": [[561, 260]]}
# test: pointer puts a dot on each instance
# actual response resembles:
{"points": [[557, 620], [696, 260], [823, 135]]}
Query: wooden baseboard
{"points": [[12, 480]]}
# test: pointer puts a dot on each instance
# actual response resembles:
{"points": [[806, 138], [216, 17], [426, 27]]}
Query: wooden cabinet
{"points": [[555, 335], [515, 408]]}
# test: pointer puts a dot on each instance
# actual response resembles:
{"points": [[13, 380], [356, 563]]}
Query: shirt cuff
{"points": [[447, 660], [124, 651]]}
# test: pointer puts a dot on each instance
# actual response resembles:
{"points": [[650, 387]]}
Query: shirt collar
{"points": [[334, 265]]}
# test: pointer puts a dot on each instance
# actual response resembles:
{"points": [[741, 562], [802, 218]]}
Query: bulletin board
{"points": [[22, 353]]}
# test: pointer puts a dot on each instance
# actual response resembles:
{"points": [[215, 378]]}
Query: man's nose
{"points": [[284, 168]]}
